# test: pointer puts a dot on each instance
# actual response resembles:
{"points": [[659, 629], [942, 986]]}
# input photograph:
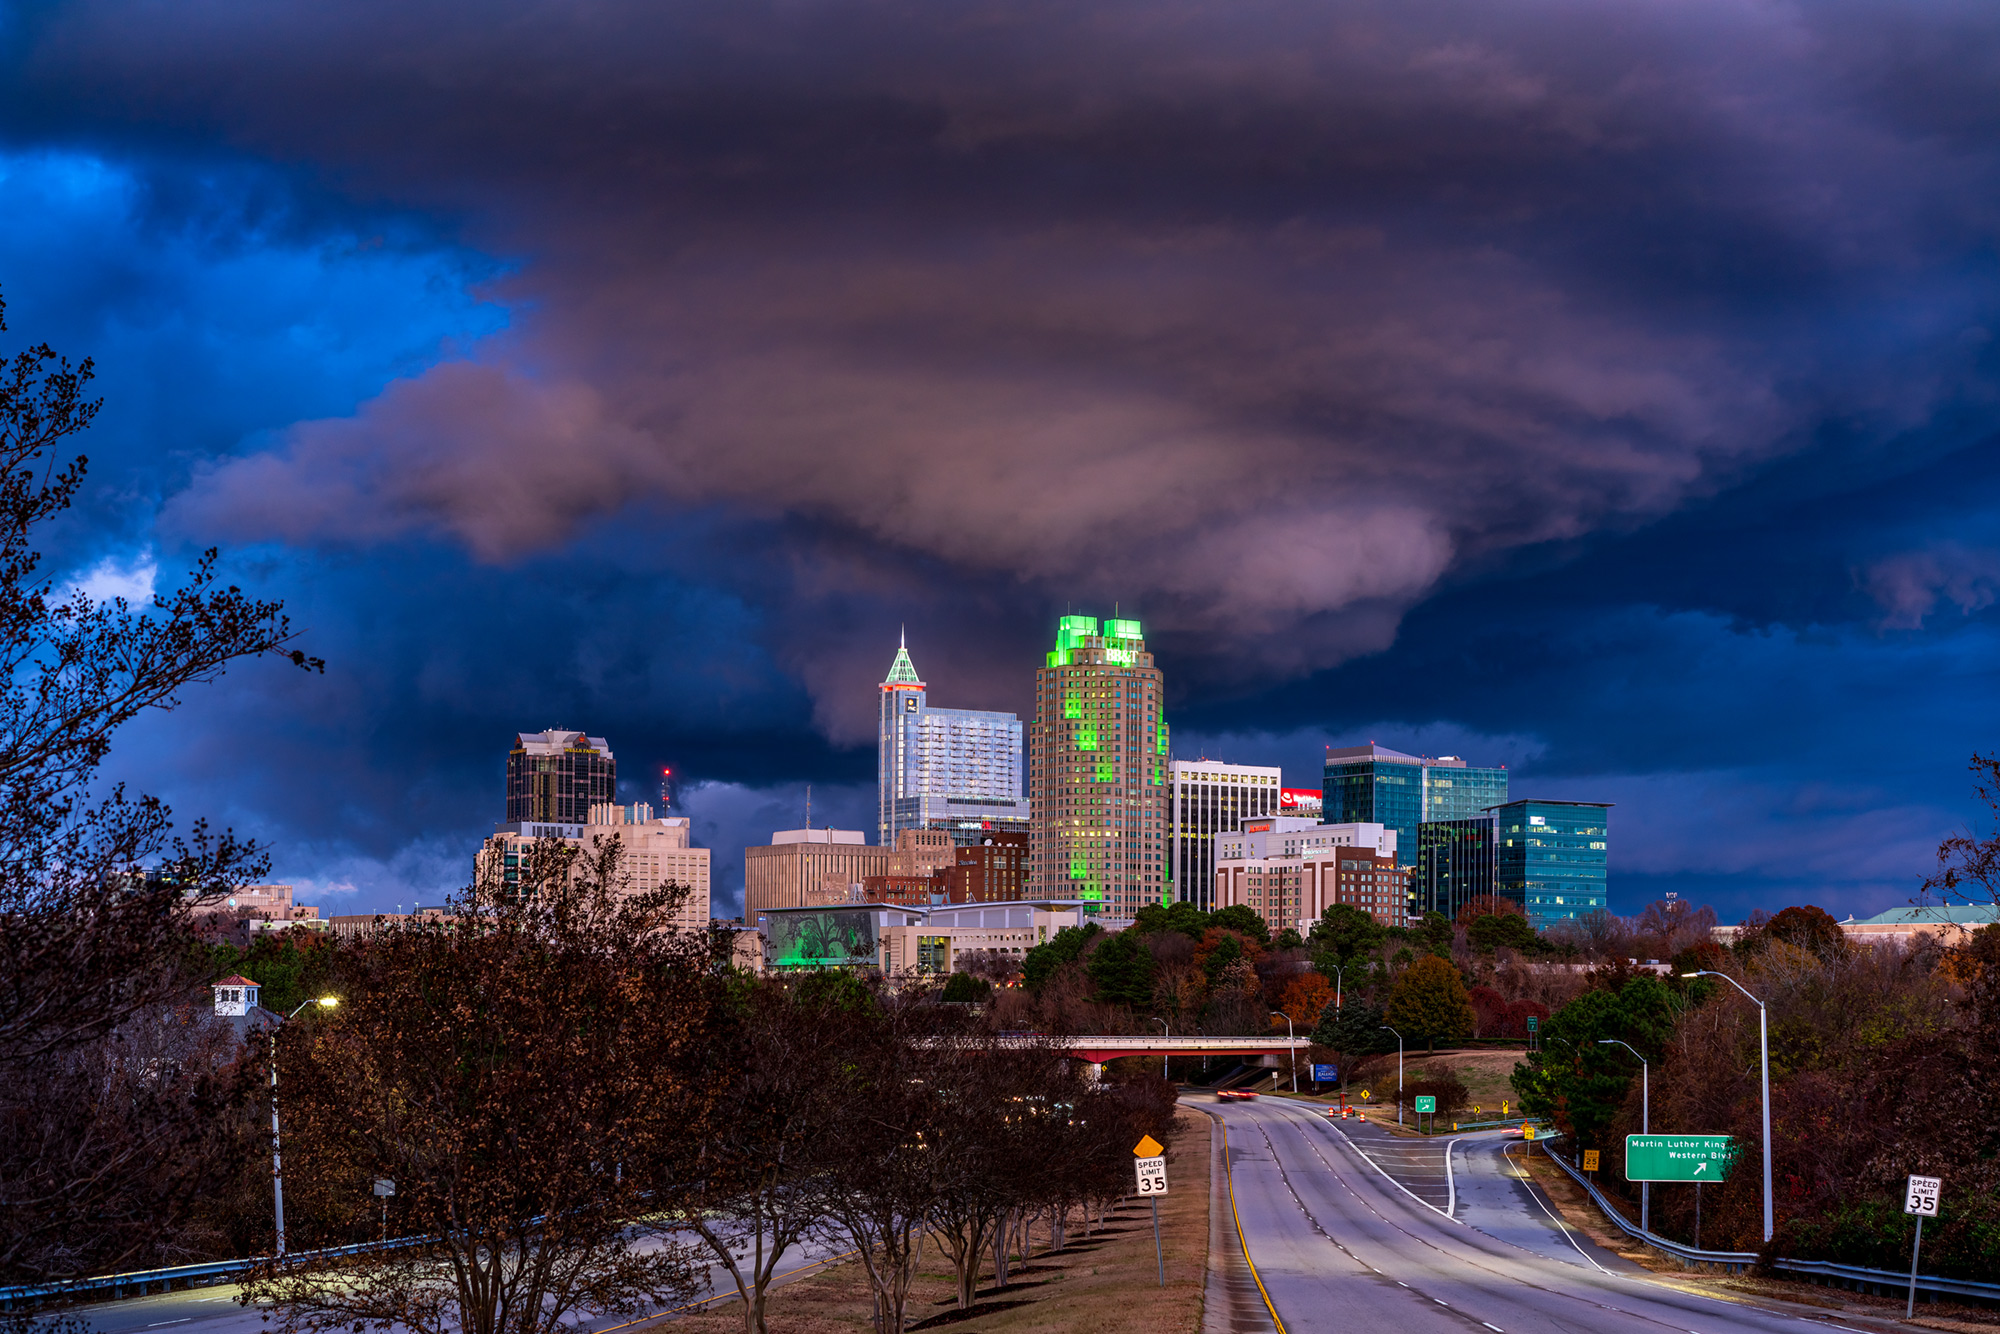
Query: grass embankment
{"points": [[1105, 1282], [1583, 1217]]}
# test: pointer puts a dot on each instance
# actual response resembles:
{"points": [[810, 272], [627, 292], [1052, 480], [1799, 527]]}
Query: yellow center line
{"points": [[1229, 1176]]}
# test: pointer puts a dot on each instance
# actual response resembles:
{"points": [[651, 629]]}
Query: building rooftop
{"points": [[1959, 914]]}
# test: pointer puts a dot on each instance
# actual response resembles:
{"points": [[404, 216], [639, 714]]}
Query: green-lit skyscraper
{"points": [[1373, 784], [1097, 770]]}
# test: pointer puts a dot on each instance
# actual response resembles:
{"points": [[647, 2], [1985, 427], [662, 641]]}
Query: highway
{"points": [[1449, 1246]]}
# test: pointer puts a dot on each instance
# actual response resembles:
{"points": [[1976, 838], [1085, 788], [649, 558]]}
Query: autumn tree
{"points": [[1428, 1003], [1304, 997], [531, 1070], [96, 893]]}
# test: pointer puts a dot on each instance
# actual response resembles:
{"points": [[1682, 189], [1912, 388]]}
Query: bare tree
{"points": [[768, 1162], [530, 1070], [1969, 864], [95, 892]]}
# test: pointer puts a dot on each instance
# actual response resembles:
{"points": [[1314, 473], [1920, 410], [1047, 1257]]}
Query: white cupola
{"points": [[235, 996]]}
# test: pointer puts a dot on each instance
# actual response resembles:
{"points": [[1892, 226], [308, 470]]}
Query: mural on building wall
{"points": [[834, 938]]}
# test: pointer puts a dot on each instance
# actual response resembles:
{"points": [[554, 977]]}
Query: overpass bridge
{"points": [[1098, 1048]]}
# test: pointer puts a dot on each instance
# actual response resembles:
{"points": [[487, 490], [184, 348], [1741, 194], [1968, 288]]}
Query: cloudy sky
{"points": [[1608, 390]]}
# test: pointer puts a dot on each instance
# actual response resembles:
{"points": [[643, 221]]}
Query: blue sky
{"points": [[1611, 394]]}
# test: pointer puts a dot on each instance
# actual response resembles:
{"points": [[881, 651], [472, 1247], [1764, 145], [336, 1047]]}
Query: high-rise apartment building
{"points": [[1207, 799], [958, 770], [556, 777], [1097, 770], [1551, 858], [1373, 783], [652, 853]]}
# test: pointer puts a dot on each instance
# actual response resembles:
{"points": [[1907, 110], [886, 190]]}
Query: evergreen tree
{"points": [[1429, 1002], [1122, 970], [1351, 1031], [1066, 946], [1239, 918], [1342, 934]]}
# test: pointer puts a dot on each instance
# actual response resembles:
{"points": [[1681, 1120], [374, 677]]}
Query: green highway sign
{"points": [[1427, 1102], [1534, 1022], [1678, 1157]]}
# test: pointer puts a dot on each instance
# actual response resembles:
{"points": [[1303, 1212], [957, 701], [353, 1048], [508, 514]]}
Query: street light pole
{"points": [[1764, 1054], [1399, 1074], [277, 1162], [1645, 1124], [1293, 1054], [1339, 982], [1163, 1056]]}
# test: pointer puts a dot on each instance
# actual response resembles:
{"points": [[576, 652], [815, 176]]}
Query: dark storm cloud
{"points": [[1266, 318]]}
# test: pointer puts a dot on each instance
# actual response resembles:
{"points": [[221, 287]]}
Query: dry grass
{"points": [[1105, 1282]]}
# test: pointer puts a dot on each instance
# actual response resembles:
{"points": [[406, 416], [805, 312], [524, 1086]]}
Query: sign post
{"points": [[1150, 1163], [1534, 1033], [1921, 1199], [385, 1188], [1427, 1102]]}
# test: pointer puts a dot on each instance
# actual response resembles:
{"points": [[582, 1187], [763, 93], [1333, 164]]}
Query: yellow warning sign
{"points": [[1528, 1132], [1148, 1148], [1590, 1160]]}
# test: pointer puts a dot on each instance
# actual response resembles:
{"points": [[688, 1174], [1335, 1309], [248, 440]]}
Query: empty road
{"points": [[1467, 1248]]}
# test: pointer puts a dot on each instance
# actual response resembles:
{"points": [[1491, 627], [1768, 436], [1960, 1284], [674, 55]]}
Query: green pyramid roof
{"points": [[902, 672]]}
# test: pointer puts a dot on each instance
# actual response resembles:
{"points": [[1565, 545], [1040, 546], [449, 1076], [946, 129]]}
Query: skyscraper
{"points": [[1372, 783], [1097, 770], [1454, 864], [1551, 858], [1207, 799], [958, 770], [557, 776]]}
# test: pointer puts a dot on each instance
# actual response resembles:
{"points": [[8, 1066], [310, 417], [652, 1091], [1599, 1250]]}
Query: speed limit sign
{"points": [[1152, 1175]]}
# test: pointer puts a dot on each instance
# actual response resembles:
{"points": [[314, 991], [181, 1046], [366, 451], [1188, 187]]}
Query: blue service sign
{"points": [[1326, 1074]]}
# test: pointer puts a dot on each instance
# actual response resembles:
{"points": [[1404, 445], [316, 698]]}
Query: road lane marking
{"points": [[1441, 1301], [1229, 1177], [182, 1321], [1495, 1328]]}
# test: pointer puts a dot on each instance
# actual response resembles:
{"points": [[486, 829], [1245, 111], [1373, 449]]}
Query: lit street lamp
{"points": [[277, 1163], [1399, 1073], [1645, 1123], [1293, 1054], [1764, 1051]]}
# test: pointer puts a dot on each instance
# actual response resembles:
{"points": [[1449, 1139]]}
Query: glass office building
{"points": [[1375, 785], [1456, 861], [1550, 857]]}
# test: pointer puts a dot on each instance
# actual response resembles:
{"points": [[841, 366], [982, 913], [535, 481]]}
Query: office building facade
{"points": [[1097, 770], [1552, 858], [1456, 863], [556, 776], [1289, 871], [652, 853], [1372, 783], [957, 770], [1207, 800]]}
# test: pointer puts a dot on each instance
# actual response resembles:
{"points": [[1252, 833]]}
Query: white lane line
{"points": [[1450, 1185], [182, 1321], [1536, 1197], [1441, 1301], [1495, 1328]]}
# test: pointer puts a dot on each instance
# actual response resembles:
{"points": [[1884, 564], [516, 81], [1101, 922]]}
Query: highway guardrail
{"points": [[1883, 1282]]}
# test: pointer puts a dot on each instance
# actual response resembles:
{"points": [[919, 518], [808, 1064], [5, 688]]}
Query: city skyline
{"points": [[1606, 400]]}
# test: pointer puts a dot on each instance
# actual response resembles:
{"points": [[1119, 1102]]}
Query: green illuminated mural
{"points": [[835, 938]]}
